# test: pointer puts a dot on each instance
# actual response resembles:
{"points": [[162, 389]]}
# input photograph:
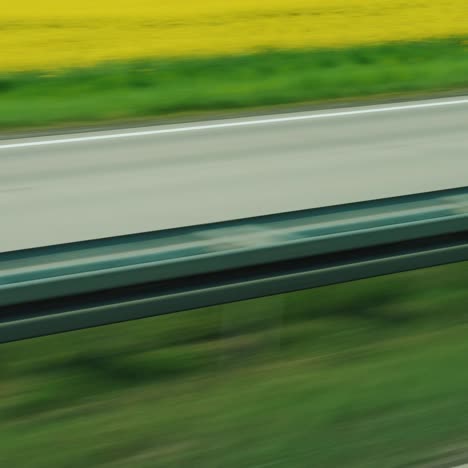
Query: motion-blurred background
{"points": [[370, 374]]}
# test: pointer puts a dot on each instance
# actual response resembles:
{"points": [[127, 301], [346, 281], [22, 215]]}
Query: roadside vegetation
{"points": [[82, 63], [365, 374], [154, 88]]}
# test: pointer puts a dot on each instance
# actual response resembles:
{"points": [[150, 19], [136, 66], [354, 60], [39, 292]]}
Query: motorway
{"points": [[57, 189]]}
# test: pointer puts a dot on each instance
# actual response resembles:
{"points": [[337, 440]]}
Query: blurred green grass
{"points": [[365, 374], [158, 88]]}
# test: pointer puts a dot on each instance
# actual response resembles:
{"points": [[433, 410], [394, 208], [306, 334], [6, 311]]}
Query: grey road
{"points": [[93, 185]]}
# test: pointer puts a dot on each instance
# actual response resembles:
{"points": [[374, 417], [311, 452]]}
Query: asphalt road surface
{"points": [[92, 185]]}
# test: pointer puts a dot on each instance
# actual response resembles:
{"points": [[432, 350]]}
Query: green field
{"points": [[367, 374], [151, 89]]}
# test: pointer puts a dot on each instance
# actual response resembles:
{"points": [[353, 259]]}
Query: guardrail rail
{"points": [[68, 287]]}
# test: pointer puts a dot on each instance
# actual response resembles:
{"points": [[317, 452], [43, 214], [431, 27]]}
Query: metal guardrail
{"points": [[73, 286]]}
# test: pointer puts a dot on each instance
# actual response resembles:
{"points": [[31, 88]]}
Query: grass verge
{"points": [[154, 88], [366, 374]]}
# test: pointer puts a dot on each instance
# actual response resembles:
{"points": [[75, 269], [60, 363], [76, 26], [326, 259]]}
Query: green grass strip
{"points": [[360, 375], [155, 88]]}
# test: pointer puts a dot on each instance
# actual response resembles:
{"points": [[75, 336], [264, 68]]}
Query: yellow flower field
{"points": [[51, 34]]}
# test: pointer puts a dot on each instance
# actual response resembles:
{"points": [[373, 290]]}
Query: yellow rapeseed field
{"points": [[47, 34]]}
